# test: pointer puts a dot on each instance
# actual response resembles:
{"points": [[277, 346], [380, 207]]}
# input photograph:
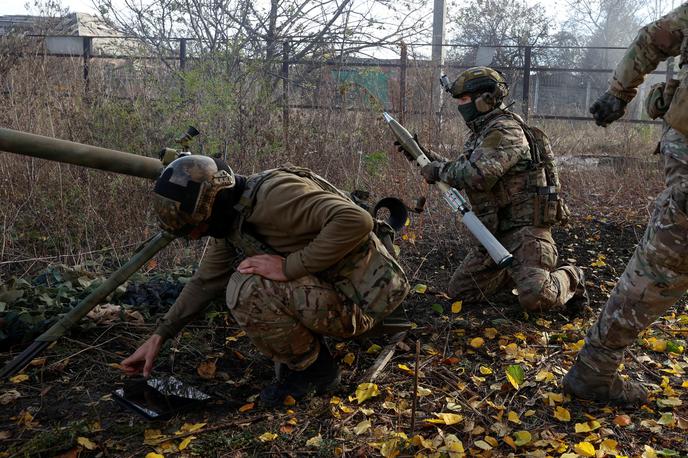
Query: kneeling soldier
{"points": [[297, 258], [508, 173]]}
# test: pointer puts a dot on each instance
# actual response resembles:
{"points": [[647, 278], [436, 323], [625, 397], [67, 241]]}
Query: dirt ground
{"points": [[465, 405]]}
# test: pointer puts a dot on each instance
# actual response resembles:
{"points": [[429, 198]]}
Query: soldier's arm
{"points": [[208, 282], [338, 225], [501, 149], [655, 42]]}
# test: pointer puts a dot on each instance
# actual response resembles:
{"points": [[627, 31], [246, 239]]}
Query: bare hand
{"points": [[269, 266], [144, 356]]}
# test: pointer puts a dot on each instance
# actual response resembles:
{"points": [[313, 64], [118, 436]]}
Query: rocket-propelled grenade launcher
{"points": [[456, 201]]}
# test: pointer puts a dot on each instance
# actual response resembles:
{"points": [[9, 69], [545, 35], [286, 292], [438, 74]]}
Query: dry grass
{"points": [[54, 212]]}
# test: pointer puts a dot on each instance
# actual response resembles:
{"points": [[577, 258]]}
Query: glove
{"points": [[607, 109], [431, 171]]}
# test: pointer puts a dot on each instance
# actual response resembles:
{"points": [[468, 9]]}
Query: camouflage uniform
{"points": [[657, 274], [341, 279], [496, 171]]}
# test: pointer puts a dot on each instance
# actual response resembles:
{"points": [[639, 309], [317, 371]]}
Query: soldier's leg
{"points": [[654, 279], [478, 278], [284, 319], [540, 286]]}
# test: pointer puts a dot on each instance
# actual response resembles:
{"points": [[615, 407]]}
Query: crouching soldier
{"points": [[508, 173], [297, 258]]}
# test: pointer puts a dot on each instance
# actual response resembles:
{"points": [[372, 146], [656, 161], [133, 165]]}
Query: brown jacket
{"points": [[313, 228]]}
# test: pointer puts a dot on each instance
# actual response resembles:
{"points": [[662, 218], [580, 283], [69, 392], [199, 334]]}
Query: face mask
{"points": [[468, 111]]}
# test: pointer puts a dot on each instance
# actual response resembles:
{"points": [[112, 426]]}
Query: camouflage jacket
{"points": [[655, 42], [495, 170]]}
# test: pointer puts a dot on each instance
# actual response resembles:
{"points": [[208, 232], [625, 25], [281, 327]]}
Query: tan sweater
{"points": [[313, 228]]}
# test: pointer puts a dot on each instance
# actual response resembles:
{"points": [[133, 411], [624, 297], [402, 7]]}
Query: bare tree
{"points": [[505, 25], [243, 25]]}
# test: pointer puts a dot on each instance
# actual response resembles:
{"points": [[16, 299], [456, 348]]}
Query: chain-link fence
{"points": [[545, 82]]}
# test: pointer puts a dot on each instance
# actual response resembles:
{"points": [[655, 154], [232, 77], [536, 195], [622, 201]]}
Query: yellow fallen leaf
{"points": [[405, 368], [87, 443], [422, 391], [684, 384], [362, 427], [247, 407], [154, 455], [374, 348], [190, 427], [585, 449], [649, 452], [449, 418], [544, 376], [588, 426], [19, 378], [513, 417], [522, 438], [185, 443], [608, 446], [456, 306], [315, 441], [485, 370], [482, 445], [152, 436], [420, 441], [366, 391], [267, 437], [477, 342], [529, 413], [420, 288], [235, 337], [562, 414], [490, 333], [349, 358]]}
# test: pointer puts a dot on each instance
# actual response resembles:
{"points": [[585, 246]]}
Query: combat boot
{"points": [[579, 304], [602, 383], [320, 377]]}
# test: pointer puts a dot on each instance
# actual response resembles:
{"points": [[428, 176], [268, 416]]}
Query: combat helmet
{"points": [[186, 190], [488, 83]]}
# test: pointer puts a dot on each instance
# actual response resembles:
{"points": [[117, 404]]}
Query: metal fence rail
{"points": [[402, 85]]}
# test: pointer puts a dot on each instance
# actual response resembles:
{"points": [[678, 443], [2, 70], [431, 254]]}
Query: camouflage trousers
{"points": [[656, 275], [284, 319], [540, 285]]}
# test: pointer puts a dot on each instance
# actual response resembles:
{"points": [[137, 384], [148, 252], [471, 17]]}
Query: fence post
{"points": [[402, 83], [525, 107], [182, 53], [182, 65], [87, 45], [285, 93]]}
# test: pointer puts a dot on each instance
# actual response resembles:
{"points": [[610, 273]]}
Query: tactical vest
{"points": [[677, 114], [369, 276], [524, 198]]}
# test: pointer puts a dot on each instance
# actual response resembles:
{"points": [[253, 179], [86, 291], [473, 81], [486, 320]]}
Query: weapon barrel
{"points": [[495, 249], [14, 141], [146, 252]]}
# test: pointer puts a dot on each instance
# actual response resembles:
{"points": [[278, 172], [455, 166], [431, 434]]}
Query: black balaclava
{"points": [[223, 214], [469, 111]]}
